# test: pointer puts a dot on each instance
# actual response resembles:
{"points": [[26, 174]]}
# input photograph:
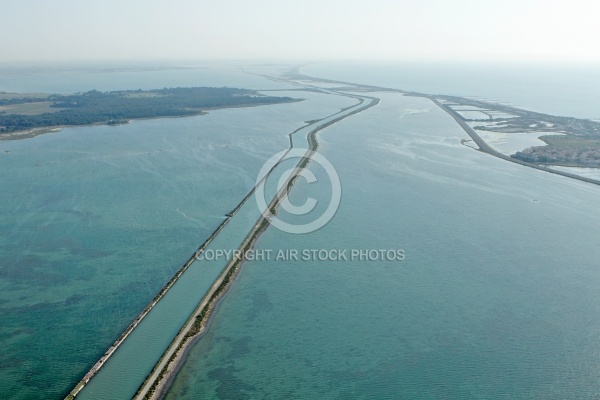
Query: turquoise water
{"points": [[497, 296], [127, 369], [95, 220]]}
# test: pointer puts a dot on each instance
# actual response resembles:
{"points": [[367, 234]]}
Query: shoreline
{"points": [[30, 133]]}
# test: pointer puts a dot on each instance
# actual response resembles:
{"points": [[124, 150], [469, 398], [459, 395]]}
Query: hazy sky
{"points": [[308, 29]]}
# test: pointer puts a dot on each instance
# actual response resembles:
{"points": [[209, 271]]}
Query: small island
{"points": [[27, 115]]}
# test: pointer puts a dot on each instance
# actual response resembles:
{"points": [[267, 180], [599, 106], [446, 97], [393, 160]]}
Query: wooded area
{"points": [[116, 107]]}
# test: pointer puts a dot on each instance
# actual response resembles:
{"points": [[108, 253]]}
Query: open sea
{"points": [[496, 296], [558, 89]]}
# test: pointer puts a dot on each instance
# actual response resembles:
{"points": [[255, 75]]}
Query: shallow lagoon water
{"points": [[593, 173], [511, 143], [131, 363], [95, 220], [497, 296]]}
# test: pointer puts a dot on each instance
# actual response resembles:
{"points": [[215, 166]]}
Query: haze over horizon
{"points": [[456, 30]]}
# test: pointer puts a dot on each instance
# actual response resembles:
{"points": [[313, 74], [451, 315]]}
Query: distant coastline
{"points": [[579, 148]]}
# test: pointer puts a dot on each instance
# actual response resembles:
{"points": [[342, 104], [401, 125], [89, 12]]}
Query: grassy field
{"points": [[571, 142], [30, 108]]}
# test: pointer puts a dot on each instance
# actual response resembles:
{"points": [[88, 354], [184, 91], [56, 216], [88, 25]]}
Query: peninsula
{"points": [[570, 142], [27, 115]]}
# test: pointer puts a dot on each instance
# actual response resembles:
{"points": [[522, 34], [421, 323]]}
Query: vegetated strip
{"points": [[163, 373], [485, 148]]}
